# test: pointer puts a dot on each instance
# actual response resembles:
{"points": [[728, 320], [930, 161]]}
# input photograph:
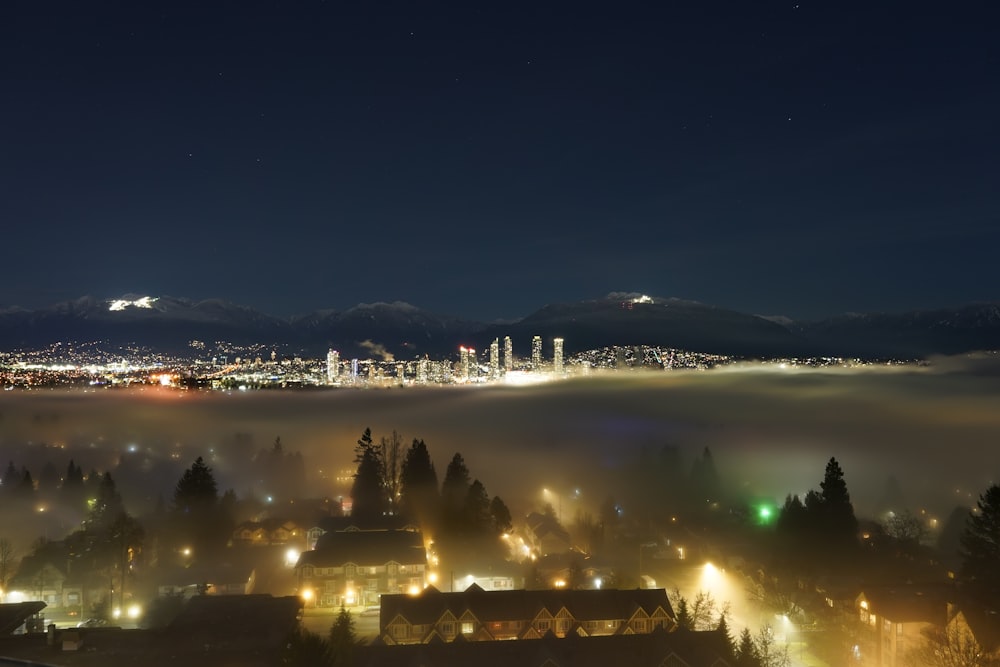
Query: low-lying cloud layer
{"points": [[771, 430]]}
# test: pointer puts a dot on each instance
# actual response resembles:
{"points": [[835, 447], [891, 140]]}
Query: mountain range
{"points": [[169, 324]]}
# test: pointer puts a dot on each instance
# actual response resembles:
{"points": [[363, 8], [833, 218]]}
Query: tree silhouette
{"points": [[476, 509], [980, 543], [306, 649], [418, 486], [704, 477], [7, 556], [73, 491], [837, 508], [727, 638], [196, 520], [502, 521], [196, 490], [824, 526], [746, 651], [367, 493], [25, 489], [342, 640], [684, 620], [390, 453], [453, 491], [769, 652]]}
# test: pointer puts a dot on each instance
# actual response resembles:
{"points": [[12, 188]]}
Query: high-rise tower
{"points": [[508, 355], [536, 353], [495, 359], [557, 356], [332, 366], [463, 364]]}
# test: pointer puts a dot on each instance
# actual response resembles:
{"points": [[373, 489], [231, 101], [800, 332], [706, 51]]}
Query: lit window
{"points": [[467, 628]]}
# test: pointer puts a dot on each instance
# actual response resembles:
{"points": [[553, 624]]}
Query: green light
{"points": [[765, 514]]}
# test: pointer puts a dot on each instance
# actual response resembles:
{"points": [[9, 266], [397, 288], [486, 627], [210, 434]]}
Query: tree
{"points": [[701, 614], [124, 535], [196, 491], [26, 487], [746, 651], [953, 646], [365, 443], [454, 489], [704, 477], [769, 652], [196, 520], [980, 543], [342, 640], [307, 649], [369, 500], [390, 452], [73, 491], [904, 529], [107, 505], [838, 512], [7, 556], [476, 509], [684, 620], [418, 485], [727, 638], [500, 514], [793, 519]]}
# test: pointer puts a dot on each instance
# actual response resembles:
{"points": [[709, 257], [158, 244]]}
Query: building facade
{"points": [[478, 615], [357, 567]]}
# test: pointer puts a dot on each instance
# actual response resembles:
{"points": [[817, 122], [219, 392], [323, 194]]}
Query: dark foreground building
{"points": [[210, 631], [656, 649]]}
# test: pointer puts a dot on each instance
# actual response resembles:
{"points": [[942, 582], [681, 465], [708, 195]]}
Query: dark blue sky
{"points": [[484, 159]]}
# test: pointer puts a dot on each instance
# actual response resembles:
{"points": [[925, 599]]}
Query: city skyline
{"points": [[781, 159]]}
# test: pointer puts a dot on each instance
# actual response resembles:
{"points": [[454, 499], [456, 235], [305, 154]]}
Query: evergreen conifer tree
{"points": [[980, 543]]}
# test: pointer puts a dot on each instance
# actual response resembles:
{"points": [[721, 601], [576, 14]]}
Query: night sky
{"points": [[483, 159]]}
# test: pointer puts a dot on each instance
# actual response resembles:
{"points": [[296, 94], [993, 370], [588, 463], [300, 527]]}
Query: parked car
{"points": [[92, 623]]}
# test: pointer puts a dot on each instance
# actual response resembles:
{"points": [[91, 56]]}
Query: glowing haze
{"points": [[770, 429]]}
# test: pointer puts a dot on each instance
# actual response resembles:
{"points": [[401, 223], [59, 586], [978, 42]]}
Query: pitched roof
{"points": [[12, 615], [910, 604], [583, 605], [375, 547]]}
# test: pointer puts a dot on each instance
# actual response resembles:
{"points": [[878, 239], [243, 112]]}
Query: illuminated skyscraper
{"points": [[463, 364], [557, 355], [508, 355], [401, 372], [536, 353], [332, 366], [473, 364], [495, 359], [354, 370]]}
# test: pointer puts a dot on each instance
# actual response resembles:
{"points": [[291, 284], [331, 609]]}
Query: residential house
{"points": [[895, 621], [478, 615], [270, 532], [356, 567], [546, 535]]}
